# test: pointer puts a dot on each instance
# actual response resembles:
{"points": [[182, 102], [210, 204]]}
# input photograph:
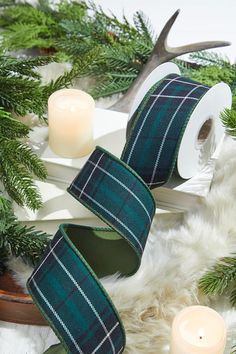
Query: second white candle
{"points": [[198, 330]]}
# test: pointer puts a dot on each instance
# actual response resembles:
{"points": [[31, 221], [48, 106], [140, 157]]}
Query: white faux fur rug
{"points": [[179, 249]]}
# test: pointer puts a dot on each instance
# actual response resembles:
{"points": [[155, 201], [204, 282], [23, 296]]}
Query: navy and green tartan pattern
{"points": [[73, 301], [156, 128], [117, 195], [66, 285]]}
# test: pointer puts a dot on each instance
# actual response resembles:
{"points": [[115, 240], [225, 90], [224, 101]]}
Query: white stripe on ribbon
{"points": [[86, 298], [101, 343], [57, 317], [186, 82], [169, 96], [168, 128], [44, 260], [91, 174], [124, 186], [120, 351], [151, 184], [112, 215], [146, 116]]}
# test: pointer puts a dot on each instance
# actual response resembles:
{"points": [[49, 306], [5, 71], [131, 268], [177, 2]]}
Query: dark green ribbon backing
{"points": [[65, 285]]}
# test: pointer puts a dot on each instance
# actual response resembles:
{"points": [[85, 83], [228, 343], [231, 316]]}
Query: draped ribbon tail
{"points": [[65, 285]]}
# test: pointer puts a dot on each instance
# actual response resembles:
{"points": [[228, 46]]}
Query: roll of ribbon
{"points": [[204, 130], [66, 285]]}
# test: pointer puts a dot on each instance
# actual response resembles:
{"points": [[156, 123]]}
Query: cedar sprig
{"points": [[99, 45]]}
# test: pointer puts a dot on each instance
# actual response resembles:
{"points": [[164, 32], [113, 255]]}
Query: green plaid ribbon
{"points": [[65, 285]]}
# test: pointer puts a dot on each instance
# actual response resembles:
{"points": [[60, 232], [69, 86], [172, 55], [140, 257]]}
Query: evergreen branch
{"points": [[210, 58], [18, 78], [141, 52], [184, 67], [10, 66], [26, 13], [213, 74], [130, 74], [72, 10], [222, 277], [73, 48], [96, 42], [10, 127], [27, 35], [121, 30], [21, 92], [17, 239], [228, 117], [19, 185], [23, 154], [90, 63], [63, 81], [117, 58], [25, 242], [109, 88], [44, 6], [143, 26], [20, 95], [18, 163]]}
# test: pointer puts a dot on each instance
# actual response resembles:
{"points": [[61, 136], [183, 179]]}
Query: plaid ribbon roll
{"points": [[65, 285]]}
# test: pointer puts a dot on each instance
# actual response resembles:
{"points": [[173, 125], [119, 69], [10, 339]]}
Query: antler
{"points": [[160, 54]]}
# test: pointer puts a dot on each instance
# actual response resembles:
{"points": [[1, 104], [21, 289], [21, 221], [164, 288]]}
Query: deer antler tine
{"points": [[160, 46], [165, 52], [160, 54], [195, 47]]}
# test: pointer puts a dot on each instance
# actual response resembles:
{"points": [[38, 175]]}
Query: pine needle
{"points": [[210, 58], [228, 117], [221, 278], [17, 239], [18, 163]]}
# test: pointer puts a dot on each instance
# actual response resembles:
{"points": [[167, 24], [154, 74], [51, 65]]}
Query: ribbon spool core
{"points": [[204, 132]]}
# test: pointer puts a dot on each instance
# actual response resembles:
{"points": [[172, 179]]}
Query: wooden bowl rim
{"points": [[16, 306], [16, 294], [16, 297]]}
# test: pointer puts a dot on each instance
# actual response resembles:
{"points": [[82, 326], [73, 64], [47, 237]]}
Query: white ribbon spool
{"points": [[204, 130]]}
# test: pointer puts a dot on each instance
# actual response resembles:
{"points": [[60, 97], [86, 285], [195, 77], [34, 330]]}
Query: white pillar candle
{"points": [[70, 121], [198, 330]]}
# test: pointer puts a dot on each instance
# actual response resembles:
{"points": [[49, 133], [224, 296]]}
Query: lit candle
{"points": [[70, 121], [198, 330]]}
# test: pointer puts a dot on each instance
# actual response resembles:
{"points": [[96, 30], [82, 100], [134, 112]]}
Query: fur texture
{"points": [[179, 249]]}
